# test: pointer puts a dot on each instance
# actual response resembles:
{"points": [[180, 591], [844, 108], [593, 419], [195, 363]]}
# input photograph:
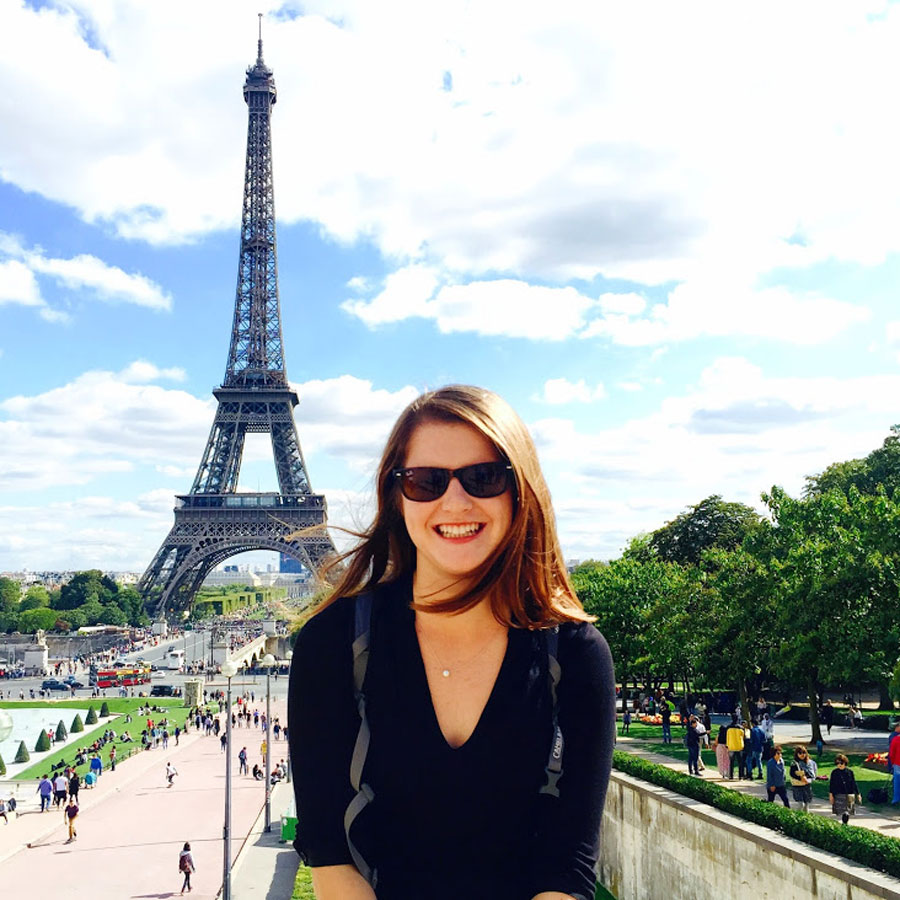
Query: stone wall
{"points": [[659, 845]]}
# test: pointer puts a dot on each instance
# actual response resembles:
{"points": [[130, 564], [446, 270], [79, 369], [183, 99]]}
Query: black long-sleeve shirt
{"points": [[449, 823]]}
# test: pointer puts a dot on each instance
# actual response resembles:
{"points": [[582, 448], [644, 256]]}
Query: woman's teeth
{"points": [[458, 531]]}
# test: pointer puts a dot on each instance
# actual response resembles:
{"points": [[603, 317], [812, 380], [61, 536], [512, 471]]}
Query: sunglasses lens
{"points": [[484, 479], [423, 483]]}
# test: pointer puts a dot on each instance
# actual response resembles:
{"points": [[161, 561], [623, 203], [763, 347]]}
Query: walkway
{"points": [[132, 827], [841, 740]]}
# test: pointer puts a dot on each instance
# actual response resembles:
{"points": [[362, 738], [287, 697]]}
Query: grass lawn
{"points": [[119, 707]]}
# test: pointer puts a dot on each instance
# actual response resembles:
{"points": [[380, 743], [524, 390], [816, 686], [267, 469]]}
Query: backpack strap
{"points": [[364, 794], [554, 768]]}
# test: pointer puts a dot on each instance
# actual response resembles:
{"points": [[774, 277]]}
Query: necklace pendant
{"points": [[446, 673]]}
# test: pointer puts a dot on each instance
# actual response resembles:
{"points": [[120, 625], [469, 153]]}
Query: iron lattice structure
{"points": [[214, 521]]}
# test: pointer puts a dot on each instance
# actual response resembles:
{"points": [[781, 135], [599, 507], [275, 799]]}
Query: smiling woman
{"points": [[451, 708]]}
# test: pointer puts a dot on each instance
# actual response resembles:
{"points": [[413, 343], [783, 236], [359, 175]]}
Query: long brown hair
{"points": [[525, 577]]}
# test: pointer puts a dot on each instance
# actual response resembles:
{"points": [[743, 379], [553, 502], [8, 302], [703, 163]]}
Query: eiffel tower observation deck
{"points": [[214, 521]]}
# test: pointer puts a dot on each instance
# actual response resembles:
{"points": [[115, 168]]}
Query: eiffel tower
{"points": [[214, 521]]}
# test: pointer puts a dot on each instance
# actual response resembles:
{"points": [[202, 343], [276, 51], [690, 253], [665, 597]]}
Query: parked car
{"points": [[73, 683], [163, 690], [53, 684]]}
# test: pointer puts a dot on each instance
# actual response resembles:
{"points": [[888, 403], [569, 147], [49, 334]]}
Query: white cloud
{"points": [[405, 293], [558, 391], [19, 284]]}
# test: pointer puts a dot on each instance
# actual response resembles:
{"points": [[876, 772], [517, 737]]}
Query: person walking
{"points": [[734, 738], [894, 763], [74, 785], [842, 790], [826, 714], [775, 778], [112, 758], [171, 772], [96, 766], [242, 760], [186, 866], [71, 814], [60, 789], [3, 810], [757, 744], [665, 712], [802, 776], [692, 739], [722, 756]]}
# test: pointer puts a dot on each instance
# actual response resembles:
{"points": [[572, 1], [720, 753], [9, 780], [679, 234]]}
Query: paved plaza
{"points": [[131, 828]]}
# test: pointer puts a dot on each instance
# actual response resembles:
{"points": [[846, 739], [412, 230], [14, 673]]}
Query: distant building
{"points": [[289, 564]]}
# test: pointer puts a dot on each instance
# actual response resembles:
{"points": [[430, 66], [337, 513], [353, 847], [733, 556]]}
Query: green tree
{"points": [[880, 467], [10, 592], [86, 586], [104, 710], [22, 754], [33, 620], [43, 742], [36, 597], [112, 615], [77, 724], [91, 717], [712, 522], [91, 612], [9, 621], [132, 604], [2, 766], [61, 733]]}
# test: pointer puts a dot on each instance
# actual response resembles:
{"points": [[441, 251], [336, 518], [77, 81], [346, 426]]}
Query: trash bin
{"points": [[288, 829]]}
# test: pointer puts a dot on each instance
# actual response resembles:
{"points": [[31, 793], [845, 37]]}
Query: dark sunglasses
{"points": [[481, 480]]}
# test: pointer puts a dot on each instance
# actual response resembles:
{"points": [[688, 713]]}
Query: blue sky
{"points": [[667, 235]]}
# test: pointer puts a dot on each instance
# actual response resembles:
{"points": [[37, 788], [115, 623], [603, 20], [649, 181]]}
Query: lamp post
{"points": [[290, 656], [229, 669], [268, 661]]}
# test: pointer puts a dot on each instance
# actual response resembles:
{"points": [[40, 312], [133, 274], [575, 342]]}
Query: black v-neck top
{"points": [[451, 823]]}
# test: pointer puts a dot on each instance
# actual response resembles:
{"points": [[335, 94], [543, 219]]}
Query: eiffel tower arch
{"points": [[214, 521]]}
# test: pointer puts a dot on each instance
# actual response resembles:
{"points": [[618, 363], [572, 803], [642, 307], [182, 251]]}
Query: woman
{"points": [[842, 790], [186, 866], [775, 778], [802, 776], [467, 583]]}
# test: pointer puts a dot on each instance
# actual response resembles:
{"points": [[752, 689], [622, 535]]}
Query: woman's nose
{"points": [[455, 497]]}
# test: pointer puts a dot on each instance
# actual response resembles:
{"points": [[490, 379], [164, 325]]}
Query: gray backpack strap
{"points": [[364, 793], [553, 769]]}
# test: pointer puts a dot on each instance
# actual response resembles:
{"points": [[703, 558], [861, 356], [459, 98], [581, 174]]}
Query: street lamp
{"points": [[289, 655], [268, 661], [229, 670]]}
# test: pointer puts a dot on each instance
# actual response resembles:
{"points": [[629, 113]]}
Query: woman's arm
{"points": [[552, 895], [345, 883]]}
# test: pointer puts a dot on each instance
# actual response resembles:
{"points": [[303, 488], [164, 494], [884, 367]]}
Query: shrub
{"points": [[91, 717], [859, 844], [43, 743], [77, 724], [104, 710], [22, 754], [61, 733], [2, 766]]}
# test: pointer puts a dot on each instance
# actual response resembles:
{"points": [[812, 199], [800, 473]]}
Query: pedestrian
{"points": [[178, 733], [757, 745], [262, 751], [112, 758], [775, 778], [734, 738], [276, 727], [692, 739], [60, 789], [894, 764], [665, 711], [842, 790], [802, 777], [223, 740], [242, 760], [171, 772], [186, 866], [96, 766], [3, 810], [459, 579], [722, 756], [626, 721], [71, 813], [74, 785], [827, 715]]}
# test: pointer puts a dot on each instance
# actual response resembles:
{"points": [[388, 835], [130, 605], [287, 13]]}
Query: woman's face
{"points": [[455, 533]]}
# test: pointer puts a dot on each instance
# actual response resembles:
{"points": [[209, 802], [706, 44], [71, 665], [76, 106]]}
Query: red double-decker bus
{"points": [[120, 677]]}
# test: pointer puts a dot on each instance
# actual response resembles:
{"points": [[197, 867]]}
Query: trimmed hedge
{"points": [[61, 733], [77, 724], [91, 717], [104, 710], [42, 745], [859, 844], [22, 754], [2, 766]]}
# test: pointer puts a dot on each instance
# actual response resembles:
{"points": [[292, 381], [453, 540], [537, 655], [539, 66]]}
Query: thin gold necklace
{"points": [[445, 670]]}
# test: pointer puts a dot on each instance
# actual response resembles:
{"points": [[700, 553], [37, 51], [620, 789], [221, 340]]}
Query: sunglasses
{"points": [[481, 480]]}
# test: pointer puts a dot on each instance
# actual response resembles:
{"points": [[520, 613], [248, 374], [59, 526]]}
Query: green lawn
{"points": [[119, 707]]}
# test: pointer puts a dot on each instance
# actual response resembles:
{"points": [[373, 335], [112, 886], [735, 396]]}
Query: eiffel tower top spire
{"points": [[256, 356]]}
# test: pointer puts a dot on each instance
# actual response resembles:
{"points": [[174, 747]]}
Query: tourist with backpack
{"points": [[186, 866], [452, 707]]}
